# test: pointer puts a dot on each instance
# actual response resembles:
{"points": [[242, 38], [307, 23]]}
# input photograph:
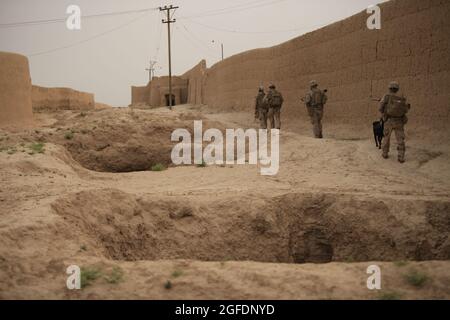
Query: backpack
{"points": [[317, 98], [261, 101], [276, 99], [396, 107]]}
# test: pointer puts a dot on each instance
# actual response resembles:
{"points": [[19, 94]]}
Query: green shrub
{"points": [[88, 275], [116, 275], [158, 167], [168, 285], [177, 273], [36, 148], [400, 263], [68, 135], [416, 278], [202, 165], [392, 295]]}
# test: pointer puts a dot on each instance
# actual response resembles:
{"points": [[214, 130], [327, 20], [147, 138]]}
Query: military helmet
{"points": [[394, 85], [313, 83], [272, 86], [261, 89]]}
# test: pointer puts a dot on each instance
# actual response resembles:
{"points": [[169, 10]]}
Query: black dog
{"points": [[378, 132]]}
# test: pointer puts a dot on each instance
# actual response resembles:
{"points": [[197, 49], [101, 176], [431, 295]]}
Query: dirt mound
{"points": [[295, 228]]}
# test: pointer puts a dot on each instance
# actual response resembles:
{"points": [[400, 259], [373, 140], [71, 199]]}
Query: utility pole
{"points": [[168, 21], [221, 45], [151, 70]]}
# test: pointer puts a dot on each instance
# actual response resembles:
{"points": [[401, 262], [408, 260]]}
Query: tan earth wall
{"points": [[61, 99], [351, 61], [196, 83], [154, 93], [15, 90], [140, 95]]}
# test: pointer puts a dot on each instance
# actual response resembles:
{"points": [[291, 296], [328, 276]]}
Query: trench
{"points": [[294, 228]]}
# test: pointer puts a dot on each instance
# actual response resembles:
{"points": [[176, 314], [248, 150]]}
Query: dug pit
{"points": [[294, 228], [121, 140]]}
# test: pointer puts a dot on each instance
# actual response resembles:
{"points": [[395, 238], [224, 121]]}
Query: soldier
{"points": [[315, 101], [261, 108], [394, 109], [274, 100]]}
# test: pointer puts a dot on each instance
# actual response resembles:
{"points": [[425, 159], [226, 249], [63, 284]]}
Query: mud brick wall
{"points": [[196, 83], [15, 90], [352, 62], [140, 95], [61, 99]]}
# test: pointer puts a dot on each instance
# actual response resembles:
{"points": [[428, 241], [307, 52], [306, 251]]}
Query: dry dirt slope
{"points": [[217, 232]]}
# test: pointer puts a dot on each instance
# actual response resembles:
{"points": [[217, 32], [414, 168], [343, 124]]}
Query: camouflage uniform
{"points": [[274, 114], [393, 124], [261, 109], [315, 101]]}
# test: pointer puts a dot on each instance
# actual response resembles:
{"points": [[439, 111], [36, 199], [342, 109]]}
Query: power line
{"points": [[193, 41], [195, 38], [222, 9], [47, 21], [243, 7], [88, 39], [254, 32], [158, 48]]}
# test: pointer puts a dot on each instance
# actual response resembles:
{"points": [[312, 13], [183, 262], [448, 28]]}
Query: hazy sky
{"points": [[110, 53]]}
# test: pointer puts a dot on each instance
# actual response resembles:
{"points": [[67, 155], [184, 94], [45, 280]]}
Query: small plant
{"points": [[88, 275], [68, 135], [202, 165], [349, 260], [400, 263], [116, 276], [392, 295], [11, 150], [84, 131], [83, 248], [36, 148], [416, 278], [83, 114], [168, 285], [158, 167], [177, 273]]}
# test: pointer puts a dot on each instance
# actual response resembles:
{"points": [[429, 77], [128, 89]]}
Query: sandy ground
{"points": [[219, 232]]}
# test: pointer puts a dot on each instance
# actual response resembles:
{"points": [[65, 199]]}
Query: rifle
{"points": [[375, 99]]}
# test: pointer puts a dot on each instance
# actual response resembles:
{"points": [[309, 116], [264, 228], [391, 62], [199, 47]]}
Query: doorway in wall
{"points": [[168, 101]]}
